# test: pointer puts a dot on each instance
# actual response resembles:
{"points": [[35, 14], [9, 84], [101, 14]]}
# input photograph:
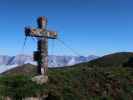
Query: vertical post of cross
{"points": [[42, 48]]}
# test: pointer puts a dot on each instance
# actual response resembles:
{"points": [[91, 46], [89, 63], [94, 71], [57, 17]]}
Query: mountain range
{"points": [[8, 62]]}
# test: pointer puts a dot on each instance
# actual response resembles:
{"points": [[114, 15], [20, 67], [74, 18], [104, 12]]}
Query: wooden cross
{"points": [[41, 55]]}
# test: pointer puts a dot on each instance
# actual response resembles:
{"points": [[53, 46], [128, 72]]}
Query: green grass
{"points": [[74, 84], [19, 86], [85, 83]]}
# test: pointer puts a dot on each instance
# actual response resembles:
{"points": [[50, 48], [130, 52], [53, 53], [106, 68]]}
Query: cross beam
{"points": [[41, 55], [40, 33]]}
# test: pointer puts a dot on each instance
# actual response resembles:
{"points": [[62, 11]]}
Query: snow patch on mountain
{"points": [[72, 61], [4, 68]]}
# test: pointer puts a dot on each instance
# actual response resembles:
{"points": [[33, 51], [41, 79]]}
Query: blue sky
{"points": [[96, 27]]}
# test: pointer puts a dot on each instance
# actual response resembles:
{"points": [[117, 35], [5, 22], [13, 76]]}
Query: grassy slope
{"points": [[112, 60], [87, 81]]}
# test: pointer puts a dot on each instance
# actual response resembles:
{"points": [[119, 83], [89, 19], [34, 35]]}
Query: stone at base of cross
{"points": [[40, 79]]}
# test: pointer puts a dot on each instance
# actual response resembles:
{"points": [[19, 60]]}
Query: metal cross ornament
{"points": [[41, 55]]}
